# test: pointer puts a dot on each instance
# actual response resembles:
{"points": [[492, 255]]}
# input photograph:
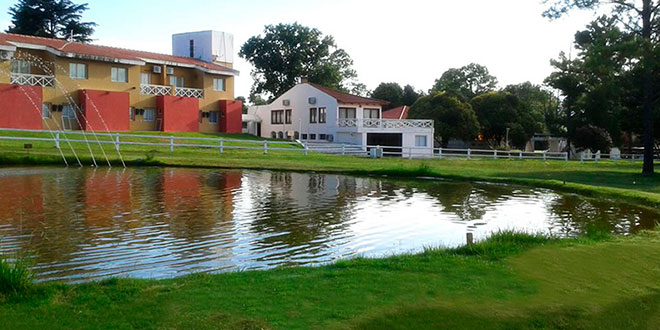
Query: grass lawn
{"points": [[511, 281]]}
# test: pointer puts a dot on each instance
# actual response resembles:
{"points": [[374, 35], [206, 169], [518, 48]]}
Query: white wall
{"points": [[210, 46], [409, 142]]}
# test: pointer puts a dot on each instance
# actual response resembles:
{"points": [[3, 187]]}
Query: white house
{"points": [[315, 114]]}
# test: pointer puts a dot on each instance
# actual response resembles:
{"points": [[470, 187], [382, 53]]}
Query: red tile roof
{"points": [[348, 98], [397, 113], [105, 53]]}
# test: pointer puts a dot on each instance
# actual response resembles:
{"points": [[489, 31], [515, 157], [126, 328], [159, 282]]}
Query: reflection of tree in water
{"points": [[309, 208], [575, 215]]}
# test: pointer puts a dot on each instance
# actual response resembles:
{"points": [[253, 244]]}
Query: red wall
{"points": [[231, 116], [20, 106], [112, 108], [179, 114]]}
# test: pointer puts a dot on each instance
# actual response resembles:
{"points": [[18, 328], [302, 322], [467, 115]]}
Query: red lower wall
{"points": [[105, 110], [231, 116], [178, 114], [20, 106]]}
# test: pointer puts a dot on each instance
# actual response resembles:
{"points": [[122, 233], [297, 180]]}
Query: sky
{"points": [[408, 42]]}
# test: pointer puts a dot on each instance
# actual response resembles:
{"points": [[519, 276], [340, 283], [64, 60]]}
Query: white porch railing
{"points": [[32, 80], [155, 90], [189, 92], [385, 123]]}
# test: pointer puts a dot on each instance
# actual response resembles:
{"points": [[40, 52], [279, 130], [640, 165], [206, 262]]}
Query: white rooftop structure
{"points": [[208, 46]]}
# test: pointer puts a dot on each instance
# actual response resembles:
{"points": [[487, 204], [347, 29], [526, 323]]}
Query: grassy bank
{"points": [[511, 281], [622, 180]]}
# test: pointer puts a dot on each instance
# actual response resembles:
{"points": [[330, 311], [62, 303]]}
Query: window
{"points": [[176, 81], [323, 137], [45, 110], [287, 116], [131, 113], [77, 71], [245, 125], [312, 115], [68, 112], [371, 113], [218, 84], [213, 117], [276, 117], [420, 141], [145, 78], [149, 115], [323, 113], [192, 48], [20, 66], [280, 135], [347, 113], [119, 75], [312, 136], [304, 137]]}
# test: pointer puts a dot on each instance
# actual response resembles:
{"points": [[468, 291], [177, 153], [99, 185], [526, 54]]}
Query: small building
{"points": [[316, 114], [57, 84]]}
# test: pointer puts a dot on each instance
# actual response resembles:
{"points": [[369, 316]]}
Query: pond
{"points": [[83, 224]]}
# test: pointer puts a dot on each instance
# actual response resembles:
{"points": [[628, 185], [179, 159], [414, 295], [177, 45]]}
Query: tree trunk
{"points": [[647, 90]]}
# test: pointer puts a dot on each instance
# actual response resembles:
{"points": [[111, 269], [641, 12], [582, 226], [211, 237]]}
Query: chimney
{"points": [[304, 80]]}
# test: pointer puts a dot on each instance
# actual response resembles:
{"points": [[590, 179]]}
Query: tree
{"points": [[410, 95], [390, 92], [640, 18], [59, 19], [593, 138], [499, 111], [244, 107], [468, 81], [542, 103], [453, 119], [287, 52]]}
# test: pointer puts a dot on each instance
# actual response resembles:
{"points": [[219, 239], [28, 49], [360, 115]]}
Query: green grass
{"points": [[15, 276], [535, 282]]}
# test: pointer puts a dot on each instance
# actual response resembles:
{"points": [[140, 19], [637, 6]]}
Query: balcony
{"points": [[384, 124], [189, 92], [155, 90], [31, 80]]}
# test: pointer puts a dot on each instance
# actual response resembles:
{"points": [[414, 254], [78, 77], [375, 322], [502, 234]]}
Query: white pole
{"points": [[171, 144], [57, 140], [343, 149], [222, 147], [439, 153], [265, 147], [495, 154], [469, 152], [117, 141]]}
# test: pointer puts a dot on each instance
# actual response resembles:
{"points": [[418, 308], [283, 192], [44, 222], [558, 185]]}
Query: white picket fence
{"points": [[445, 153]]}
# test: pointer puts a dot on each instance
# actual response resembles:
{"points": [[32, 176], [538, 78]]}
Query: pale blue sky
{"points": [[409, 42]]}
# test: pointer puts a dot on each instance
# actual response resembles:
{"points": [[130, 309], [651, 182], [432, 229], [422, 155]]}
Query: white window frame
{"points": [[45, 111], [68, 112], [426, 141], [343, 113], [219, 84], [145, 78], [131, 113], [213, 117], [147, 117], [371, 111], [20, 66], [115, 74], [75, 70], [323, 115], [177, 81]]}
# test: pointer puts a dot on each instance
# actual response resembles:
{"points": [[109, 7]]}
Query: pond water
{"points": [[83, 224]]}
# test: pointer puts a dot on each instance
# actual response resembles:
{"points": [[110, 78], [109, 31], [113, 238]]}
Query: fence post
{"points": [[117, 141], [306, 148], [582, 157], [410, 152], [597, 157], [57, 140], [171, 144], [439, 153], [544, 155], [469, 153], [222, 146], [520, 155], [495, 154], [566, 156], [265, 147], [343, 149]]}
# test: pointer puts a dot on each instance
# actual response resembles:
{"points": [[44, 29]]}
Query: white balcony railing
{"points": [[155, 90], [31, 80], [189, 92], [385, 123]]}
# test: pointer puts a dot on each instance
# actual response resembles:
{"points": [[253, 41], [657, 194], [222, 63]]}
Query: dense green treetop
{"points": [[453, 118], [59, 19], [467, 81]]}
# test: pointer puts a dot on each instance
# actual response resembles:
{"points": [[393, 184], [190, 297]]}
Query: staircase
{"points": [[334, 148]]}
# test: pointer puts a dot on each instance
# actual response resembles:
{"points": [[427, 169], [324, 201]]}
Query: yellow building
{"points": [[56, 84]]}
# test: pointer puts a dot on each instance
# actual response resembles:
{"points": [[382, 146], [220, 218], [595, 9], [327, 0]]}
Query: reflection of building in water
{"points": [[107, 195], [21, 195]]}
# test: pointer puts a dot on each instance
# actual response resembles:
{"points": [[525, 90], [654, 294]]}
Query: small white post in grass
{"points": [[343, 149], [566, 156], [582, 157], [57, 140], [222, 146], [495, 154], [544, 156], [306, 149], [265, 147], [469, 153], [171, 144], [520, 155], [469, 238], [117, 141], [439, 153]]}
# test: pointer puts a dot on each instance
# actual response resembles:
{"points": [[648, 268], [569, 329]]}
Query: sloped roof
{"points": [[105, 53], [397, 113], [348, 98]]}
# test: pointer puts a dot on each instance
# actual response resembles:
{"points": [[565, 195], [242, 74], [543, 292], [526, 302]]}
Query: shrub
{"points": [[15, 276], [592, 138]]}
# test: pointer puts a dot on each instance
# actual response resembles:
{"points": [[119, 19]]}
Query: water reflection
{"points": [[80, 224]]}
